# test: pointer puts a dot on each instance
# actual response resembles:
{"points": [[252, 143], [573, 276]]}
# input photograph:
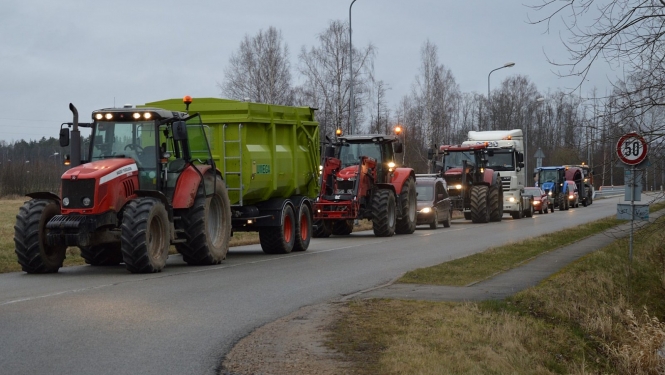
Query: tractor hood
{"points": [[547, 186], [103, 170], [348, 173], [454, 171]]}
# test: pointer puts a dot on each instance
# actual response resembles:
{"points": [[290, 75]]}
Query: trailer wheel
{"points": [[145, 236], [480, 210], [383, 213], [280, 239], [406, 224], [206, 226], [102, 255], [322, 228], [496, 203], [34, 254], [342, 227], [304, 228]]}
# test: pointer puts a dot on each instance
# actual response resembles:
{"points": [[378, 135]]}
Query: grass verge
{"points": [[601, 314]]}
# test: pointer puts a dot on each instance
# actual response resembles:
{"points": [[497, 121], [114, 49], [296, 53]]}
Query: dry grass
{"points": [[579, 321]]}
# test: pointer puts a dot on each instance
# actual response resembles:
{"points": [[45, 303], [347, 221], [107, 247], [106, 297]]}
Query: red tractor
{"points": [[360, 181], [474, 189], [147, 181]]}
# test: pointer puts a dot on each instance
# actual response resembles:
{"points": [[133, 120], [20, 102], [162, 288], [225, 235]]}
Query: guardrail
{"points": [[606, 191]]}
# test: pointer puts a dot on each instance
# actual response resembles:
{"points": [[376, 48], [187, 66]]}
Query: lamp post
{"points": [[352, 112], [398, 130], [506, 65], [540, 100]]}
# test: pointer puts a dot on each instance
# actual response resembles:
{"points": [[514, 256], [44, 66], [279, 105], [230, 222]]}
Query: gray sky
{"points": [[95, 56]]}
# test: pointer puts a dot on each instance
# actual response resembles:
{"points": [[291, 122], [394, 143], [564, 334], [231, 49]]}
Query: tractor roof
{"points": [[126, 113], [365, 138]]}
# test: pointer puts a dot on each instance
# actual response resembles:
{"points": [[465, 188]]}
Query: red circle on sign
{"points": [[632, 149]]}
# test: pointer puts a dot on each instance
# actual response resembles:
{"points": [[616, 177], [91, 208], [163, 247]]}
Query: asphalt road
{"points": [[103, 320]]}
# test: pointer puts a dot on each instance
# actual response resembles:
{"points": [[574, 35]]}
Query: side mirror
{"points": [[430, 154], [329, 152], [399, 148], [520, 164], [179, 131], [64, 137], [520, 158]]}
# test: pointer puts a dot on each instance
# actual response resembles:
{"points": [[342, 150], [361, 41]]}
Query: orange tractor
{"points": [[147, 181], [360, 181]]}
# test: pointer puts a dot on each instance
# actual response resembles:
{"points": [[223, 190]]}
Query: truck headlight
{"points": [[86, 201], [511, 199], [65, 201]]}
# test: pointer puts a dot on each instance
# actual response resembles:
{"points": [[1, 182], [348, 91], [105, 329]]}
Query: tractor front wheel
{"points": [[496, 203], [145, 236], [34, 254], [206, 226], [342, 227], [480, 210], [322, 228], [406, 224], [383, 213]]}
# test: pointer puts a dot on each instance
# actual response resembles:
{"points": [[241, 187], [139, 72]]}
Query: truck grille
{"points": [[76, 190], [505, 183]]}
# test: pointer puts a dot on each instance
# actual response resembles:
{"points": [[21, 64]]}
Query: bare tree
{"points": [[260, 70], [325, 69]]}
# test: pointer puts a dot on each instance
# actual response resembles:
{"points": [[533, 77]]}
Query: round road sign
{"points": [[632, 149]]}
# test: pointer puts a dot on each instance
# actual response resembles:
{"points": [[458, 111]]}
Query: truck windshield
{"points": [[501, 161], [350, 153], [455, 159]]}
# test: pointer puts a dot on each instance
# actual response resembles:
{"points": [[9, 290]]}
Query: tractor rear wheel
{"points": [[145, 236], [496, 203], [206, 226], [280, 239], [480, 210], [108, 254], [34, 254], [406, 224], [342, 227], [383, 213], [322, 228], [304, 228]]}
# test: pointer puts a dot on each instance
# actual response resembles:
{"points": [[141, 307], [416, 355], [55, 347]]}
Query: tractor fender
{"points": [[490, 177], [387, 186], [400, 175], [44, 195], [188, 184]]}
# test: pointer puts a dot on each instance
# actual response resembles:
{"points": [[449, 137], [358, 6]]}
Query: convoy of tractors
{"points": [[190, 173]]}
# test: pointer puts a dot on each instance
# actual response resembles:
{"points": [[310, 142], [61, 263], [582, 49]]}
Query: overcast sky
{"points": [[98, 56]]}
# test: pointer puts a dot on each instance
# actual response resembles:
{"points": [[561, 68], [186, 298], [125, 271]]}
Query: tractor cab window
{"points": [[350, 153], [456, 159], [501, 160], [547, 175]]}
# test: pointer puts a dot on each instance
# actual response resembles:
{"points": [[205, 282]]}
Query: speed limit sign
{"points": [[632, 149]]}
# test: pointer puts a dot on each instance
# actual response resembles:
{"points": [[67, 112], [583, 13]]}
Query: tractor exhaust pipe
{"points": [[76, 138]]}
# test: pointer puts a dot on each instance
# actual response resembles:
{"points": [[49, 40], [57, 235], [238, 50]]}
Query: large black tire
{"points": [[282, 238], [322, 228], [102, 255], [303, 229], [519, 214], [529, 212], [562, 201], [480, 210], [449, 219], [435, 221], [34, 255], [589, 196], [145, 236], [342, 227], [496, 203], [206, 227], [467, 215], [383, 213], [406, 223]]}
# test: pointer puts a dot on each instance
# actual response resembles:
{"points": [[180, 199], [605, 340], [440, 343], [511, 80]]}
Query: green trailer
{"points": [[268, 156]]}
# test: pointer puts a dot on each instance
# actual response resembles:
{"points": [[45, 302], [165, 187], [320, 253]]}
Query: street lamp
{"points": [[398, 130], [506, 65], [352, 112], [540, 100]]}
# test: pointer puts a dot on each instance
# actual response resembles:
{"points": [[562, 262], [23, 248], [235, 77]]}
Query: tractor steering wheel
{"points": [[134, 147]]}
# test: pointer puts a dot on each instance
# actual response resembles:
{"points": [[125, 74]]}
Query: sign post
{"points": [[632, 150]]}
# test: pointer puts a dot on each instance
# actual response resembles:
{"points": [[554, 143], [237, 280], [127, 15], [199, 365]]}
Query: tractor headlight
{"points": [[458, 186], [549, 193], [391, 166], [86, 201], [426, 210], [65, 201]]}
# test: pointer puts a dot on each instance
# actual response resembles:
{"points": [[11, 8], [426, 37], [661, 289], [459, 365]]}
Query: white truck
{"points": [[506, 155]]}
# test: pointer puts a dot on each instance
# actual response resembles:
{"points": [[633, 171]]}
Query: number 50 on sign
{"points": [[632, 149]]}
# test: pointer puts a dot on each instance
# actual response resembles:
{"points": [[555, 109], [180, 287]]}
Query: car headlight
{"points": [[571, 197], [536, 203], [549, 193], [426, 210]]}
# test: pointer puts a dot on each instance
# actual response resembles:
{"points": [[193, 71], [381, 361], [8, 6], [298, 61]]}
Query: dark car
{"points": [[541, 201], [433, 201]]}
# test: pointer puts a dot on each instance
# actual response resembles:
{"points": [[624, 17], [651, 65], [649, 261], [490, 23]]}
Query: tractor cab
{"points": [[381, 148]]}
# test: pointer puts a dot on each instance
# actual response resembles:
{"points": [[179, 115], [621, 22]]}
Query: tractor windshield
{"points": [[501, 160], [456, 159], [350, 153], [548, 175]]}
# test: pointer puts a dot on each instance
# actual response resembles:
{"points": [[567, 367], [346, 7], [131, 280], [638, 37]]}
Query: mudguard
{"points": [[188, 184], [400, 175]]}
